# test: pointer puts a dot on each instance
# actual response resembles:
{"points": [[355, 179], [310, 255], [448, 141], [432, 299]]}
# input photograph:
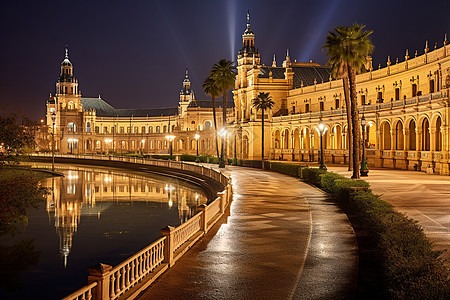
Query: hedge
{"points": [[411, 269]]}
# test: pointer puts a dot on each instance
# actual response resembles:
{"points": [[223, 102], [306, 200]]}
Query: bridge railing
{"points": [[130, 277]]}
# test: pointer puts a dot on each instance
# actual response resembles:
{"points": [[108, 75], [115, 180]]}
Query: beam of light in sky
{"points": [[316, 33], [231, 12], [176, 40]]}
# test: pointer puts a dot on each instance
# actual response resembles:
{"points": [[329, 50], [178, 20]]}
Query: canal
{"points": [[91, 215]]}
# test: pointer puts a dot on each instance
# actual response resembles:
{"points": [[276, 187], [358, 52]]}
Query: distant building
{"points": [[91, 125]]}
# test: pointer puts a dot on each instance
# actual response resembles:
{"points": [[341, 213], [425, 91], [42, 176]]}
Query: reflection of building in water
{"points": [[84, 192]]}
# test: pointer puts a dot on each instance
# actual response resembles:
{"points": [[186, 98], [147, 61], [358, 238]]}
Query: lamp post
{"points": [[322, 130], [53, 140], [364, 170], [170, 138], [197, 137]]}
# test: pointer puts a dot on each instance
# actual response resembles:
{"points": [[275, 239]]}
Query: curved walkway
{"points": [[423, 197], [282, 240]]}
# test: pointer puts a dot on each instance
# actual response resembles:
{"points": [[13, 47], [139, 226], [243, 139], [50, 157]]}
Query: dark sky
{"points": [[134, 53]]}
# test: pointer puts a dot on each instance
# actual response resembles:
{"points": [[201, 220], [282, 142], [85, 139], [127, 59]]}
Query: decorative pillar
{"points": [[168, 244], [100, 274]]}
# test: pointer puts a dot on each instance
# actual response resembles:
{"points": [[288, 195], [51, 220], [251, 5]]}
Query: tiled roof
{"points": [[208, 103], [103, 109], [305, 74]]}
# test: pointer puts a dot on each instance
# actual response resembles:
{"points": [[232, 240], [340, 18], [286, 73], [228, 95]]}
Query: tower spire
{"points": [[187, 75], [248, 18], [67, 53]]}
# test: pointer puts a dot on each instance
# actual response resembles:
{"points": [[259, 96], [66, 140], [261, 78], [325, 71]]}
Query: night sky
{"points": [[134, 53]]}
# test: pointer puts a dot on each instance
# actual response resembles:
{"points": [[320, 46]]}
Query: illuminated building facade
{"points": [[405, 103], [91, 125]]}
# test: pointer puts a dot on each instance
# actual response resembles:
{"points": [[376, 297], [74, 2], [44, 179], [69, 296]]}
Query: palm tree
{"points": [[348, 48], [263, 102], [224, 77], [210, 88]]}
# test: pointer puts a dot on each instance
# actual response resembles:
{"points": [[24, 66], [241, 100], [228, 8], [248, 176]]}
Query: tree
{"points": [[263, 102], [210, 88], [224, 77], [347, 49], [13, 136]]}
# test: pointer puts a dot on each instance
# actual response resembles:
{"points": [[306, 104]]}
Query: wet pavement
{"points": [[423, 197], [282, 239]]}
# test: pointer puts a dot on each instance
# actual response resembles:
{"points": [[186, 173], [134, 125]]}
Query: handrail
{"points": [[111, 283]]}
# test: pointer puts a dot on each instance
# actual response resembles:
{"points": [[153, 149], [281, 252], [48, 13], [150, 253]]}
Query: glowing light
{"points": [[231, 12], [222, 132], [170, 137], [197, 136]]}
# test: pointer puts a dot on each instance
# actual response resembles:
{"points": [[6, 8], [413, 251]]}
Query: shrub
{"points": [[312, 175], [287, 169]]}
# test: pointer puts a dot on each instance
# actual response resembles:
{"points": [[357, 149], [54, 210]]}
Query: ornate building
{"points": [[405, 105], [91, 125]]}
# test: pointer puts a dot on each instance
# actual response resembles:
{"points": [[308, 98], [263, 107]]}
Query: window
{"points": [[112, 129], [105, 129], [97, 129], [414, 90], [157, 129], [71, 127], [165, 128], [380, 97], [122, 130], [150, 129], [322, 106], [143, 129], [397, 94], [136, 130], [128, 129], [363, 99], [207, 125], [88, 126], [432, 86], [337, 102], [306, 107]]}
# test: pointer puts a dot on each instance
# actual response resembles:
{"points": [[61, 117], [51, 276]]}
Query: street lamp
{"points": [[197, 137], [322, 130], [53, 140], [364, 170], [170, 138]]}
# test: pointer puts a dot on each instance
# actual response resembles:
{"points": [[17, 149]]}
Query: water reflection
{"points": [[88, 193]]}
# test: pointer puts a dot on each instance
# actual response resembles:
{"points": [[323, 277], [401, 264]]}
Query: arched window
{"points": [[425, 135], [143, 129], [412, 135], [136, 130], [399, 138], [207, 125], [438, 135], [150, 129], [165, 128], [88, 126], [157, 129], [386, 132], [71, 127]]}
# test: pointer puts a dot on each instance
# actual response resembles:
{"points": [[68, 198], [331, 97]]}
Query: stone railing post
{"points": [[223, 201], [204, 225], [168, 244], [100, 274]]}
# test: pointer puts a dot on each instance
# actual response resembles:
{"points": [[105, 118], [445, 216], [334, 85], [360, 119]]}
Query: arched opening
{"points": [[337, 137], [399, 137], [326, 139], [296, 138], [438, 136], [386, 136], [412, 135], [245, 147], [425, 135], [207, 125], [277, 140], [285, 137], [306, 139]]}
